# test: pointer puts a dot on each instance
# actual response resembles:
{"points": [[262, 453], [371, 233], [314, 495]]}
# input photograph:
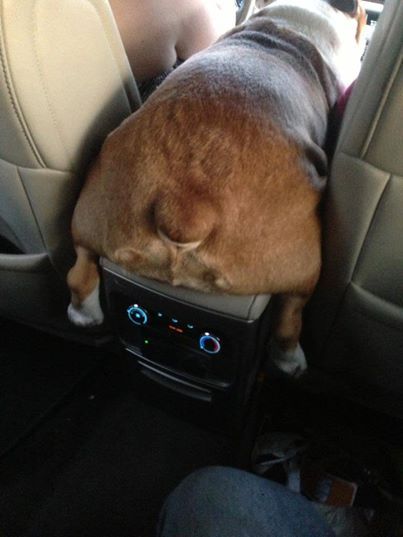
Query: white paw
{"points": [[291, 362], [89, 313]]}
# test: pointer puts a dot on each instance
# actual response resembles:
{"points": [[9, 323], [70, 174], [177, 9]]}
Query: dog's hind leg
{"points": [[83, 280], [285, 351]]}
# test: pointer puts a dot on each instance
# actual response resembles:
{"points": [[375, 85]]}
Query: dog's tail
{"points": [[184, 220]]}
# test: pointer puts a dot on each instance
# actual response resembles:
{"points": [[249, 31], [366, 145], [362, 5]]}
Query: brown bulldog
{"points": [[214, 184]]}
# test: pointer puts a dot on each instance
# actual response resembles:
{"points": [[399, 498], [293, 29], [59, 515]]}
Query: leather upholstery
{"points": [[65, 83], [355, 321]]}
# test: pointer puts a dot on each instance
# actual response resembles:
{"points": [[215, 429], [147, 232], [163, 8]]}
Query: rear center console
{"points": [[207, 348]]}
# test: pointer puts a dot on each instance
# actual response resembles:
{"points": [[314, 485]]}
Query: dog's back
{"points": [[215, 182], [220, 172]]}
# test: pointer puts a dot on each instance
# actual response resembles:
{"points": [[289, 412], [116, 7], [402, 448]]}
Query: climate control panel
{"points": [[188, 345], [183, 332]]}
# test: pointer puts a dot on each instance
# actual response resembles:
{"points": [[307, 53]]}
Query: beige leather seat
{"points": [[65, 82], [355, 322]]}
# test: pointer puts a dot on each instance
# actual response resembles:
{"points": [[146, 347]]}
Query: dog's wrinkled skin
{"points": [[214, 184]]}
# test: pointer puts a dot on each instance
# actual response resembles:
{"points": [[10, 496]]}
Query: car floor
{"points": [[85, 450], [82, 453]]}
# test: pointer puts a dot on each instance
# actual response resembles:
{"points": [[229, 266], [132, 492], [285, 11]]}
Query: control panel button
{"points": [[137, 315], [209, 343]]}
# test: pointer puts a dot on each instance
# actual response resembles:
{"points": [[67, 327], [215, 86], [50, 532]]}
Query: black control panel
{"points": [[185, 333], [183, 345], [199, 346]]}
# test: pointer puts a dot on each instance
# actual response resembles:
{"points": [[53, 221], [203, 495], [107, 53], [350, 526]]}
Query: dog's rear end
{"points": [[215, 182]]}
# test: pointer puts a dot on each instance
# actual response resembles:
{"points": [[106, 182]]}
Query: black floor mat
{"points": [[36, 372], [102, 464]]}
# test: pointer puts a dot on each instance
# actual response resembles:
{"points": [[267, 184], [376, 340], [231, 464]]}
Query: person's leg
{"points": [[225, 502]]}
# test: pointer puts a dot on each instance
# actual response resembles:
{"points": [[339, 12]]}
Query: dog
{"points": [[215, 182]]}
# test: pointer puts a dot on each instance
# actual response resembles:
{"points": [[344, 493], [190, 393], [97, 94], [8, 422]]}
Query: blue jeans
{"points": [[225, 502]]}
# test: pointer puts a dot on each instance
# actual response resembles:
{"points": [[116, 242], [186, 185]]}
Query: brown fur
{"points": [[215, 182], [84, 278]]}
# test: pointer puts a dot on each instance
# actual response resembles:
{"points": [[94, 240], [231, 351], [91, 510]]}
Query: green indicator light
{"points": [[146, 341]]}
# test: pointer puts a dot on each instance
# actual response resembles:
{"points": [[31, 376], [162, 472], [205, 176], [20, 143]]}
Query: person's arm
{"points": [[147, 30], [203, 24], [156, 33]]}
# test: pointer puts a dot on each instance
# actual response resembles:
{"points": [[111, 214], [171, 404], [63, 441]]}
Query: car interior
{"points": [[98, 425]]}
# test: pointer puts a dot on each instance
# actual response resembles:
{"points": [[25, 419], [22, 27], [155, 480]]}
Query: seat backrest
{"points": [[355, 320], [65, 82]]}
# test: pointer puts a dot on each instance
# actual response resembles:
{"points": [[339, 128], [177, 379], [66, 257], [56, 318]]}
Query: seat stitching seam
{"points": [[12, 98], [252, 302], [43, 81], [377, 299], [371, 223], [380, 109], [31, 206], [360, 160]]}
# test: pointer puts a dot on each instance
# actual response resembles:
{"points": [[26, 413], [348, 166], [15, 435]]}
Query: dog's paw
{"points": [[292, 362], [88, 313]]}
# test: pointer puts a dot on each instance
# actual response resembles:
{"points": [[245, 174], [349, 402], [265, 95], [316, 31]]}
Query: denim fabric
{"points": [[225, 502]]}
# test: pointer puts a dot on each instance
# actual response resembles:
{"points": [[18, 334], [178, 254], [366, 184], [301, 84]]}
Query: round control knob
{"points": [[137, 315], [209, 343]]}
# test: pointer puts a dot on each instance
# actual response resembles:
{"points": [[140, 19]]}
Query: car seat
{"points": [[65, 83], [354, 325]]}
